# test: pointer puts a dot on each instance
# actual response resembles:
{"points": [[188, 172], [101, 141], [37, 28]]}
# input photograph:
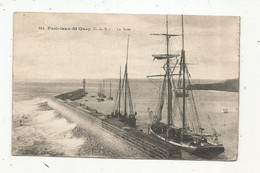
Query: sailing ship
{"points": [[100, 93], [110, 97], [123, 109], [183, 127], [103, 90]]}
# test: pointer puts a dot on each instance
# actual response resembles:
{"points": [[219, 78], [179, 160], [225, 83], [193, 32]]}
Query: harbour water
{"points": [[44, 132]]}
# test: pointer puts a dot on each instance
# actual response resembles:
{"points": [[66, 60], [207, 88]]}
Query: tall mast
{"points": [[126, 76], [84, 86], [168, 76], [103, 88], [110, 90], [119, 101], [183, 80]]}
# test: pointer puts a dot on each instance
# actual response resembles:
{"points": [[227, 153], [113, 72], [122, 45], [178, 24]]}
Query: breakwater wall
{"points": [[74, 95], [127, 141]]}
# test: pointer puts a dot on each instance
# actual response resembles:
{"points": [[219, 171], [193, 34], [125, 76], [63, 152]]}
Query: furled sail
{"points": [[127, 103], [123, 104]]}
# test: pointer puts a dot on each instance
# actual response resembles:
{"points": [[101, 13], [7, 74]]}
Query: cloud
{"points": [[212, 41]]}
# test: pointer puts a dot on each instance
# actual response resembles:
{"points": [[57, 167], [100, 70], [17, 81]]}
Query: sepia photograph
{"points": [[136, 86]]}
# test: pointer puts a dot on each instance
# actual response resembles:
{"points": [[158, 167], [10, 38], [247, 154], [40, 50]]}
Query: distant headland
{"points": [[229, 85]]}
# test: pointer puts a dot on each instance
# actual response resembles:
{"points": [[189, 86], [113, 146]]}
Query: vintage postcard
{"points": [[126, 86]]}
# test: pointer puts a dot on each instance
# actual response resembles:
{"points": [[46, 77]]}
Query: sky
{"points": [[211, 45]]}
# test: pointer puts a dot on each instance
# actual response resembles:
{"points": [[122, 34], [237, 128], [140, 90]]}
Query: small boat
{"points": [[225, 110], [100, 93], [183, 127], [103, 90], [123, 109]]}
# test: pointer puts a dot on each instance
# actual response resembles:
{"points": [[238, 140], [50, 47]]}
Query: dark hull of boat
{"points": [[208, 152], [128, 120]]}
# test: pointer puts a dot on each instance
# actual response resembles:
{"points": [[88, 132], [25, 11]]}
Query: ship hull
{"points": [[208, 152], [130, 119]]}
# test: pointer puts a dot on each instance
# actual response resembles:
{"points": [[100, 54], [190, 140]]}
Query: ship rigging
{"points": [[187, 133], [123, 109]]}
